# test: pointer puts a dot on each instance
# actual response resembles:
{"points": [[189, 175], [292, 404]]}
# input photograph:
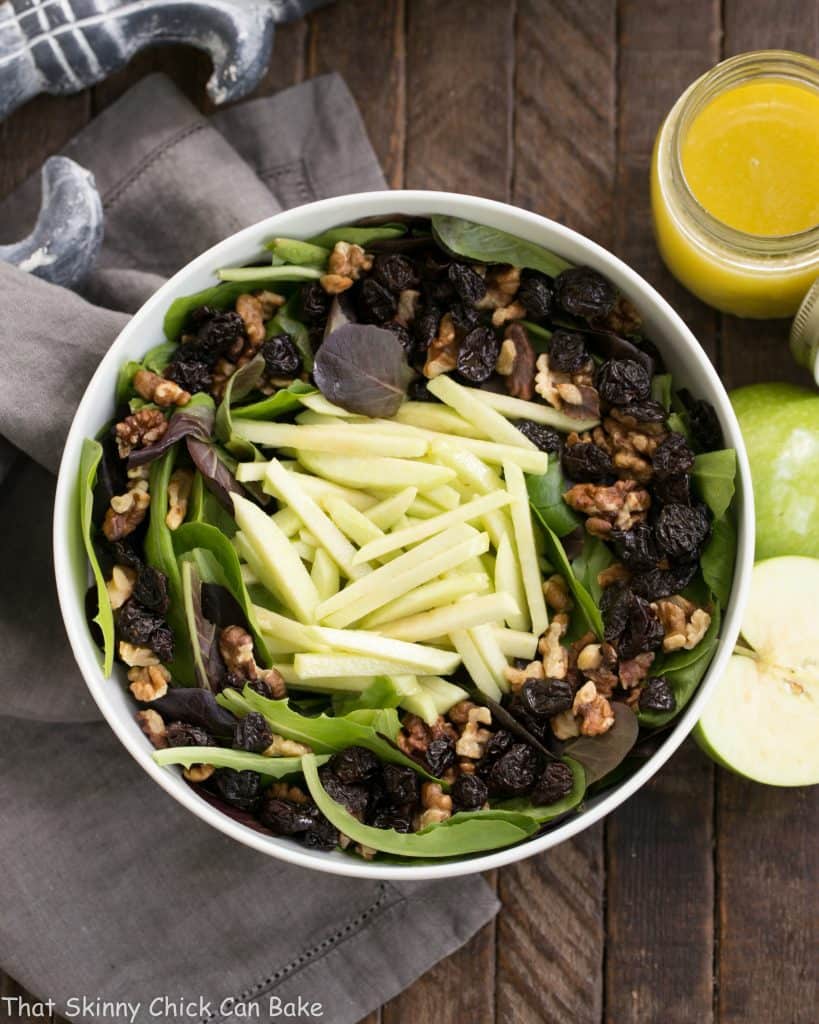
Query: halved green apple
{"points": [[763, 718]]}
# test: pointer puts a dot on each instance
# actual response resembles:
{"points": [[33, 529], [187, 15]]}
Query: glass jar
{"points": [[736, 272]]}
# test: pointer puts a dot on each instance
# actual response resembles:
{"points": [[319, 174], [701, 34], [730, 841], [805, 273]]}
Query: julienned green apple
{"points": [[780, 425], [763, 718]]}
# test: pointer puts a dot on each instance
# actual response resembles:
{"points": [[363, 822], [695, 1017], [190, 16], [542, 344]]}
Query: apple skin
{"points": [[780, 425]]}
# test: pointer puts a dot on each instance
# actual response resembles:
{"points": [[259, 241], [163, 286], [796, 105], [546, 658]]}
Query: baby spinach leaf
{"points": [[200, 535], [196, 707], [192, 420], [546, 498], [286, 322], [684, 670], [592, 560], [216, 474], [219, 296], [238, 760], [159, 551], [283, 402], [661, 390], [125, 379], [196, 501], [155, 360], [363, 369], [713, 479], [251, 276], [678, 423], [466, 832], [358, 236], [489, 245], [600, 755], [380, 694], [541, 813], [293, 250], [556, 554], [717, 559], [239, 385], [89, 460], [201, 631], [327, 735]]}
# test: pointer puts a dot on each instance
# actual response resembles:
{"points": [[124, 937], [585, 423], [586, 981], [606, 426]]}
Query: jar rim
{"points": [[754, 65]]}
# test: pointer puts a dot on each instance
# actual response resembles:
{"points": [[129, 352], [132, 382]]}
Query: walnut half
{"points": [[516, 362]]}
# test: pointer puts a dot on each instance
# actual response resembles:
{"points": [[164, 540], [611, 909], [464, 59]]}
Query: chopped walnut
{"points": [[126, 512], [121, 585], [684, 624], [556, 592], [414, 737], [459, 713], [554, 654], [153, 726], [407, 306], [516, 362], [593, 710], [270, 302], [648, 428], [573, 394], [564, 725], [283, 747], [222, 372], [621, 505], [635, 670], [344, 266], [236, 648], [501, 287], [598, 662], [198, 772], [156, 389], [249, 308], [437, 805], [274, 680], [503, 314], [516, 677], [630, 449], [284, 791], [144, 427], [442, 354], [179, 490], [613, 574], [473, 739], [148, 681]]}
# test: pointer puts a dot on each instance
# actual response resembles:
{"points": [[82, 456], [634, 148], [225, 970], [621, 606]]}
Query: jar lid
{"points": [[805, 332]]}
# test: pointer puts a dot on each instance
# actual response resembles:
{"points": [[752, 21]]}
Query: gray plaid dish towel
{"points": [[110, 892]]}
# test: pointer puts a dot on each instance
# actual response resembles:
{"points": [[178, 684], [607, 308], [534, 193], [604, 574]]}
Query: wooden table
{"points": [[696, 901]]}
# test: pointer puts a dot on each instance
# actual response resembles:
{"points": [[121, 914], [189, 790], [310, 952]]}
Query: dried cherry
{"points": [[315, 302], [252, 733], [469, 285], [180, 734], [555, 783], [541, 436], [425, 326], [404, 336], [478, 354], [643, 632], [469, 793], [322, 834], [464, 317], [657, 695], [239, 789], [353, 796], [673, 490], [536, 294], [151, 589], [584, 293], [375, 302], [440, 755], [191, 375], [567, 351], [705, 426], [281, 357], [395, 271], [216, 331], [514, 772], [585, 463], [682, 530], [657, 583], [286, 817], [624, 381], [647, 411], [354, 764], [672, 457], [400, 784], [636, 547], [543, 698]]}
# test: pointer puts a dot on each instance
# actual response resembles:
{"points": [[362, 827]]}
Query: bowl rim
{"points": [[420, 202]]}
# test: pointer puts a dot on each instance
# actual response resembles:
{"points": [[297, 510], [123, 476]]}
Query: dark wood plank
{"points": [[768, 879], [456, 990], [660, 844], [758, 350], [660, 898], [460, 99], [551, 929], [364, 41]]}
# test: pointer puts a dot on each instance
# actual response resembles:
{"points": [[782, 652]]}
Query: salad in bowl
{"points": [[405, 542]]}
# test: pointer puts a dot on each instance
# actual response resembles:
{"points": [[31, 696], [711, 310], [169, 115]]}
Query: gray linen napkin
{"points": [[110, 890]]}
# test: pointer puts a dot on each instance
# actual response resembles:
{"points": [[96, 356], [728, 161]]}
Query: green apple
{"points": [[780, 424], [763, 718]]}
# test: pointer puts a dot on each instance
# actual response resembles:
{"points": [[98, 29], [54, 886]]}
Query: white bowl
{"points": [[686, 360]]}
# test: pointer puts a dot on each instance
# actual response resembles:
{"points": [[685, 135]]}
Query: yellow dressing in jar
{"points": [[735, 184]]}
